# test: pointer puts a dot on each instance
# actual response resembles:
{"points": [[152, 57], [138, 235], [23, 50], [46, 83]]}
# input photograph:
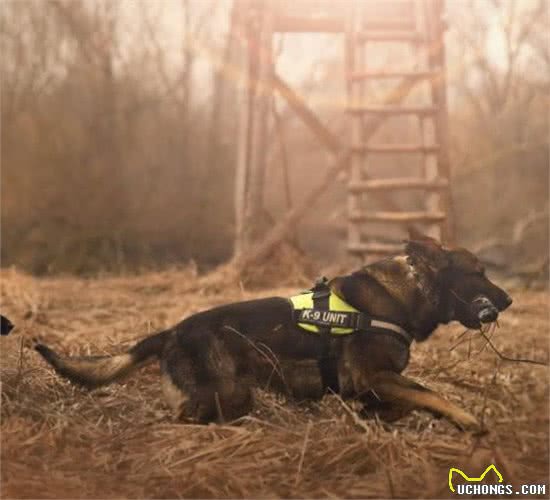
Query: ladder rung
{"points": [[398, 183], [399, 217], [395, 148], [364, 75], [393, 110], [376, 248], [395, 23], [393, 8], [300, 24], [389, 36], [294, 24]]}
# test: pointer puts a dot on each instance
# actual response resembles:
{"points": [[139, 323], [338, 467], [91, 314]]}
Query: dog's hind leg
{"points": [[177, 378], [203, 384], [392, 387], [224, 382]]}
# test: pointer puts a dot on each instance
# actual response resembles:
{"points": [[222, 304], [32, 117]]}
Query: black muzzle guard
{"points": [[484, 309]]}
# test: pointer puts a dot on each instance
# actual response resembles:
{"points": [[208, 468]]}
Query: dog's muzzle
{"points": [[484, 309]]}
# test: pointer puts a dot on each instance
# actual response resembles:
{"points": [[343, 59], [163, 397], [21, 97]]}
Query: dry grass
{"points": [[59, 441]]}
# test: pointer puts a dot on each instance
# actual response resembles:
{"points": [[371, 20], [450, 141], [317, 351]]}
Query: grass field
{"points": [[59, 441]]}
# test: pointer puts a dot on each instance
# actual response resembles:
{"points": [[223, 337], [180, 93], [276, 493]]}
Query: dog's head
{"points": [[467, 294]]}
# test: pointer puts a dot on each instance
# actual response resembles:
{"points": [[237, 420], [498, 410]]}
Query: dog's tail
{"points": [[93, 371]]}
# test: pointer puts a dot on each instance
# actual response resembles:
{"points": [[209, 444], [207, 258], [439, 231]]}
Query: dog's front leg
{"points": [[392, 387], [387, 411]]}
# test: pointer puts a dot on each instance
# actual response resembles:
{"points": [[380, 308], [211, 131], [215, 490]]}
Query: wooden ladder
{"points": [[416, 26]]}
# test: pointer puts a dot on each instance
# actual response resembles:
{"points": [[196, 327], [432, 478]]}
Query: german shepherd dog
{"points": [[211, 361]]}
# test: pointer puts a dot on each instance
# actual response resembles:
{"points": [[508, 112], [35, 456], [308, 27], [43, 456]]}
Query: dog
{"points": [[6, 326], [304, 347]]}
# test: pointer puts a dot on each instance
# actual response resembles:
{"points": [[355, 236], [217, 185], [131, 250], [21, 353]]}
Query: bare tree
{"points": [[506, 70]]}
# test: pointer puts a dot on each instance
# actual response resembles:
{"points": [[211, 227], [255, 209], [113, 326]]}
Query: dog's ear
{"points": [[416, 235], [429, 251]]}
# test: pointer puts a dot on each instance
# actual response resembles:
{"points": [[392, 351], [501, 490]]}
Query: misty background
{"points": [[119, 126]]}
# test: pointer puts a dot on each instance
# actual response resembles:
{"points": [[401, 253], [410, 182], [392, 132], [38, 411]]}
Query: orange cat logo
{"points": [[473, 479]]}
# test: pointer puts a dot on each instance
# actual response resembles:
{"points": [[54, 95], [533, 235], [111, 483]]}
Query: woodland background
{"points": [[118, 134]]}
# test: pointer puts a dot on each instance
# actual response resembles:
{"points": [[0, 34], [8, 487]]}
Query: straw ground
{"points": [[59, 441]]}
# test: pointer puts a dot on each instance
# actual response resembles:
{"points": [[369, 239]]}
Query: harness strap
{"points": [[354, 321], [328, 365], [365, 323]]}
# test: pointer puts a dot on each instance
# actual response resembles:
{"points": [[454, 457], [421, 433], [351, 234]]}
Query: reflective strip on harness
{"points": [[338, 317], [376, 323]]}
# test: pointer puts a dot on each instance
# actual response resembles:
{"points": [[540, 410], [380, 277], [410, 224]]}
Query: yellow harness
{"points": [[338, 317], [336, 305], [321, 311]]}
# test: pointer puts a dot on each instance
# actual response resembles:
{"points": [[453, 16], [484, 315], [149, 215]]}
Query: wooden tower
{"points": [[413, 100]]}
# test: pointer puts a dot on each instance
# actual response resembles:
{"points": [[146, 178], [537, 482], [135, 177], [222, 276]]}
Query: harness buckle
{"points": [[320, 289], [362, 322]]}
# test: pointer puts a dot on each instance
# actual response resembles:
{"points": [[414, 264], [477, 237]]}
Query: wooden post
{"points": [[243, 99], [355, 55], [255, 90], [436, 59]]}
